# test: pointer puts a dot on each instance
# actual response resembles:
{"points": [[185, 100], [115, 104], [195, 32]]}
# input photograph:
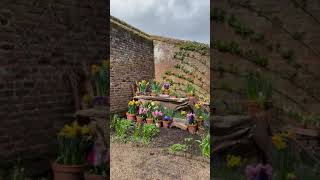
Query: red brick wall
{"points": [[131, 60], [41, 42]]}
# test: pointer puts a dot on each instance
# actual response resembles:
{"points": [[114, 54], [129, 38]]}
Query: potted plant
{"points": [[155, 87], [73, 143], [168, 116], [190, 91], [97, 164], [157, 116], [132, 110], [143, 86], [192, 124], [141, 114], [99, 81], [173, 94], [259, 92], [166, 87], [87, 101], [199, 114]]}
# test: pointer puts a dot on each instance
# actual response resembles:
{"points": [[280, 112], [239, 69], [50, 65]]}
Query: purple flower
{"points": [[190, 118], [167, 118], [257, 172], [157, 114], [143, 111], [166, 85]]}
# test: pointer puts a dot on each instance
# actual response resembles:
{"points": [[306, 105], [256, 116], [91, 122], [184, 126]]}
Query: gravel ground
{"points": [[129, 162]]}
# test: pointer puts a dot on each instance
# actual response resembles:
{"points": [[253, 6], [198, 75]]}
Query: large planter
{"points": [[166, 124], [131, 117], [140, 119], [192, 128], [67, 172], [149, 121], [88, 176]]}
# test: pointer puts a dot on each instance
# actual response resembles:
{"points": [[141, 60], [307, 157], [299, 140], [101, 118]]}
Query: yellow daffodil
{"points": [[279, 142], [197, 106], [233, 161], [152, 103], [85, 130], [183, 112]]}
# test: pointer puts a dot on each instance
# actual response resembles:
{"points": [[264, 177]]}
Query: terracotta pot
{"points": [[67, 172], [166, 124], [153, 94], [140, 119], [253, 108], [192, 128], [131, 117], [159, 123], [149, 121], [166, 92], [93, 177]]}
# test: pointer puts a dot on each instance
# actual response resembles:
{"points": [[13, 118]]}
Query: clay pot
{"points": [[153, 94], [166, 92], [192, 128], [159, 123], [131, 117], [140, 119], [67, 172], [149, 121], [253, 108], [166, 124], [93, 177]]}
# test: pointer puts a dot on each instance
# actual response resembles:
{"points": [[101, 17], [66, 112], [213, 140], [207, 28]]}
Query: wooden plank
{"points": [[158, 98]]}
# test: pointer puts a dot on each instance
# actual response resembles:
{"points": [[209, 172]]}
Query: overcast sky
{"points": [[180, 19]]}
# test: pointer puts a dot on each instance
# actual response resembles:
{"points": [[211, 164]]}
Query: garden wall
{"points": [[191, 68], [284, 35], [131, 60], [42, 49]]}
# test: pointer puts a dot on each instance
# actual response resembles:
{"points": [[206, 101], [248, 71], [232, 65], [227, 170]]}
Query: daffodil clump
{"points": [[132, 106], [99, 78], [143, 85], [234, 161], [155, 87], [280, 140], [73, 142]]}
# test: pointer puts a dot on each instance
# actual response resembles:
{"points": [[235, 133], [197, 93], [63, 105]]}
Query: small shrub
{"points": [[122, 128], [178, 148], [205, 146], [149, 131]]}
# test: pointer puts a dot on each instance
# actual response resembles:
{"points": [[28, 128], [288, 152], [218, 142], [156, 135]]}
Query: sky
{"points": [[179, 19]]}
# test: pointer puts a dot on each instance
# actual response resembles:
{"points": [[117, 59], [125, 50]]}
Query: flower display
{"points": [[143, 112], [132, 106], [157, 115]]}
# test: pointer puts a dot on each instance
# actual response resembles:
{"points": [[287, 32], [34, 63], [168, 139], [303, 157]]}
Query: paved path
{"points": [[142, 163]]}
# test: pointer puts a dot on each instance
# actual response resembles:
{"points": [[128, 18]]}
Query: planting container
{"points": [[131, 117], [67, 172]]}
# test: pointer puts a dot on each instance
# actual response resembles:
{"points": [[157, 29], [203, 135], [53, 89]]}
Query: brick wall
{"points": [[297, 86], [41, 42], [131, 60]]}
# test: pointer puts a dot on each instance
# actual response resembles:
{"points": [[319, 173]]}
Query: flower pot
{"points": [[149, 121], [88, 176], [131, 117], [153, 94], [166, 124], [192, 128], [166, 92], [159, 123], [253, 108], [140, 119], [67, 172]]}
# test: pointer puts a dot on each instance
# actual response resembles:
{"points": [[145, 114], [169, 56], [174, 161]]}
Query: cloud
{"points": [[181, 19]]}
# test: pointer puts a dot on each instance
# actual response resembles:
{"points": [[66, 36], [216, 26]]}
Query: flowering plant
{"points": [[132, 106], [99, 78], [97, 160], [143, 85], [168, 114], [142, 112], [151, 106], [166, 86], [73, 142], [190, 118], [233, 161], [155, 86], [259, 171], [190, 89], [157, 115]]}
